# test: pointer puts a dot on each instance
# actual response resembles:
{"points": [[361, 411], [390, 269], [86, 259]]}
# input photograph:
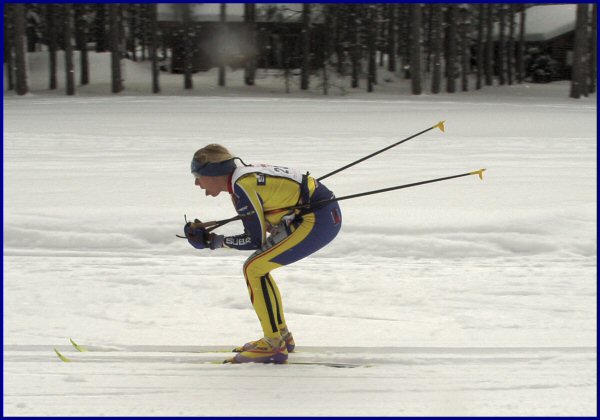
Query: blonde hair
{"points": [[213, 153]]}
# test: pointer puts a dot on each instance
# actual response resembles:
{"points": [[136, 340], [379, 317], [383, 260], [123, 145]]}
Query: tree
{"points": [[451, 50], [593, 48], [501, 55], [371, 47], [480, 44], [153, 16], [304, 71], [578, 81], [115, 52], [250, 19], [465, 45], [51, 37], [437, 45], [100, 28], [188, 33], [489, 48], [521, 48], [21, 87], [355, 21], [510, 57], [8, 46], [81, 35], [222, 30], [391, 37], [69, 67], [415, 53]]}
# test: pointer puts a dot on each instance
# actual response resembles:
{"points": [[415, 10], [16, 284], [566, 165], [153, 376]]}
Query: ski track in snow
{"points": [[460, 298]]}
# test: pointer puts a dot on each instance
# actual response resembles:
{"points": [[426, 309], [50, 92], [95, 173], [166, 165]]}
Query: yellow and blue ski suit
{"points": [[280, 237]]}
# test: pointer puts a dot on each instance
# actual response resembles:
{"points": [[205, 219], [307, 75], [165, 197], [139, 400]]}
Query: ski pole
{"points": [[217, 223], [439, 125]]}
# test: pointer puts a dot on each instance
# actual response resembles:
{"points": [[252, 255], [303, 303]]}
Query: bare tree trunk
{"points": [[355, 36], [510, 56], [20, 64], [437, 45], [100, 28], [305, 71], [391, 44], [578, 71], [115, 53], [8, 46], [451, 61], [502, 45], [371, 28], [52, 45], [153, 16], [186, 15], [81, 31], [416, 14], [465, 55], [521, 48], [489, 56], [69, 67], [250, 19], [222, 29], [593, 48], [480, 46]]}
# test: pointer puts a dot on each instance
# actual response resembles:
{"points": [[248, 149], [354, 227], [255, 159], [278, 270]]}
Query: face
{"points": [[212, 185]]}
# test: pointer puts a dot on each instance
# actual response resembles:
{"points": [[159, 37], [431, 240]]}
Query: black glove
{"points": [[196, 236]]}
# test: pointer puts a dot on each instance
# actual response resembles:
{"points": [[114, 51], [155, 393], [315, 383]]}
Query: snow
{"points": [[463, 297]]}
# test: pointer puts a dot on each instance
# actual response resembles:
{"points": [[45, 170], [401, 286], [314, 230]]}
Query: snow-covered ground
{"points": [[457, 298]]}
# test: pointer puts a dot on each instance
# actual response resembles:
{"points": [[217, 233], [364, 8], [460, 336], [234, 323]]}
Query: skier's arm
{"points": [[254, 225]]}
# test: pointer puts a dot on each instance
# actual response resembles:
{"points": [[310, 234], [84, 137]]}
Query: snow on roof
{"points": [[545, 22]]}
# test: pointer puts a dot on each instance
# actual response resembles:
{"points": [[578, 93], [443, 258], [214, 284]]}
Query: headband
{"points": [[213, 169]]}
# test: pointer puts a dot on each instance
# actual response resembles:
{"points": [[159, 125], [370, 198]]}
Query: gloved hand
{"points": [[196, 236]]}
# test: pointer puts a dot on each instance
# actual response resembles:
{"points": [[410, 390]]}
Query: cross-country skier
{"points": [[279, 237]]}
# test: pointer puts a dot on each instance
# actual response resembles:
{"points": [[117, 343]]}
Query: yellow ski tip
{"points": [[77, 346], [440, 125], [479, 172], [61, 357]]}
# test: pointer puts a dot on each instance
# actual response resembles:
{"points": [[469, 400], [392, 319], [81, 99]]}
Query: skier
{"points": [[280, 237]]}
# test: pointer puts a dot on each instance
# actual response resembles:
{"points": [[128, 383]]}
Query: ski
{"points": [[105, 358], [186, 349]]}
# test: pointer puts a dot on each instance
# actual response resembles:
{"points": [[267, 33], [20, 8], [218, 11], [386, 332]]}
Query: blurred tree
{"points": [[520, 59], [391, 36], [100, 27], [465, 44], [69, 66], [510, 53], [451, 48], [437, 45], [251, 50], [8, 46], [153, 22], [578, 73], [489, 45], [81, 39], [51, 38], [21, 87], [480, 45], [593, 49], [222, 37], [501, 53], [415, 54], [305, 69], [115, 38]]}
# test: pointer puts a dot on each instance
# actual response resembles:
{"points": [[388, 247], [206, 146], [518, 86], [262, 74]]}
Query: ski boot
{"points": [[290, 344], [265, 350]]}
